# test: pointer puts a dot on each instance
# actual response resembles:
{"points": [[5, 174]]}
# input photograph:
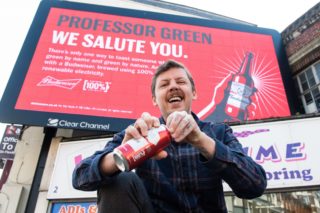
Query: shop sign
{"points": [[9, 141], [68, 156], [288, 150], [74, 207]]}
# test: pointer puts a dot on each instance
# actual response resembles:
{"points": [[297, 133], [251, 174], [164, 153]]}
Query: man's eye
{"points": [[181, 82], [163, 85]]}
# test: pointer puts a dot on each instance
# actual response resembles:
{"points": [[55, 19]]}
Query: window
{"points": [[310, 77], [316, 96], [308, 98], [298, 201], [296, 85], [304, 82], [307, 84], [317, 67]]}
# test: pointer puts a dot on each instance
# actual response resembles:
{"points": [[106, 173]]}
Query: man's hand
{"points": [[140, 129], [183, 126]]}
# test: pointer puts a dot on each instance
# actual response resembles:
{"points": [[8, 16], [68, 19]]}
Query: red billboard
{"points": [[98, 65]]}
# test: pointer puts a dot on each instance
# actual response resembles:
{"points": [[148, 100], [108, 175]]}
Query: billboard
{"points": [[90, 67]]}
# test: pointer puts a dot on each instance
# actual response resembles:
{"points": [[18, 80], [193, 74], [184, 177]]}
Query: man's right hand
{"points": [[140, 129]]}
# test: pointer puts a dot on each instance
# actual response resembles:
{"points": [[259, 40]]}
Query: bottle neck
{"points": [[246, 64]]}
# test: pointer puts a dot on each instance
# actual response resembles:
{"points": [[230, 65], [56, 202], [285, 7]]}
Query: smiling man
{"points": [[184, 177]]}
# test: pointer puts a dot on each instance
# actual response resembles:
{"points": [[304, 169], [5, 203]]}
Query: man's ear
{"points": [[154, 101], [195, 95]]}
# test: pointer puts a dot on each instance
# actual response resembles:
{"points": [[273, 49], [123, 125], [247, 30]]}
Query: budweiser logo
{"points": [[66, 83]]}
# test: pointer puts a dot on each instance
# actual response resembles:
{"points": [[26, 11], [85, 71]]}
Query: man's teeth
{"points": [[174, 99]]}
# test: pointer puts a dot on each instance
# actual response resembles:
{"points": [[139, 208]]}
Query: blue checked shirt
{"points": [[185, 181]]}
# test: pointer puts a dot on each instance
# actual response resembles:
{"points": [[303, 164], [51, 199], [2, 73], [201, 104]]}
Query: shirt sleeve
{"points": [[86, 175], [246, 178]]}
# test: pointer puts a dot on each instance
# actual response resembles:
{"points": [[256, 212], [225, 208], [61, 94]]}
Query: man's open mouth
{"points": [[175, 99]]}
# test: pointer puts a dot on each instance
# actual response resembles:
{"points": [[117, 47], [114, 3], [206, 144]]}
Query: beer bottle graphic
{"points": [[237, 95], [241, 90]]}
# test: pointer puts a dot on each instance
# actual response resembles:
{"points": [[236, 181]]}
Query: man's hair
{"points": [[165, 67]]}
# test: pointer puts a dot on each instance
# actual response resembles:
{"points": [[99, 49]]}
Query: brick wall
{"points": [[303, 39]]}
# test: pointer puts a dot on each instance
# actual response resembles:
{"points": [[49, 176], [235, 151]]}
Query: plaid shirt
{"points": [[185, 181]]}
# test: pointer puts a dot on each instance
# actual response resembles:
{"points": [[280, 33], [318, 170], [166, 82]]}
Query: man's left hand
{"points": [[183, 126]]}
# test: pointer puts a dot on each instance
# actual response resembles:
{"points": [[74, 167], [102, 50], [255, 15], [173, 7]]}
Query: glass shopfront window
{"points": [[284, 202]]}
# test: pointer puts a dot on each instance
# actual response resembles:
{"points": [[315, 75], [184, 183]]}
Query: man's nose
{"points": [[173, 86]]}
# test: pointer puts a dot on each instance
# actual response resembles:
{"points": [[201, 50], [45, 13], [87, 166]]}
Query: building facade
{"points": [[302, 43]]}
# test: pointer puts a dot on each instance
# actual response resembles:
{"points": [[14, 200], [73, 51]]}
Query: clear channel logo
{"points": [[53, 122]]}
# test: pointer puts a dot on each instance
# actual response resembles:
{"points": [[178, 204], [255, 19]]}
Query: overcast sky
{"points": [[16, 18], [274, 14]]}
